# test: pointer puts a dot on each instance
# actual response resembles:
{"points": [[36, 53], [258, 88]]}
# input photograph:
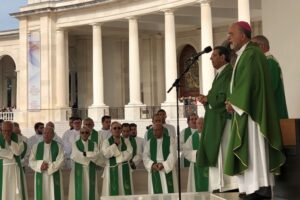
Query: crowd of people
{"points": [[236, 146]]}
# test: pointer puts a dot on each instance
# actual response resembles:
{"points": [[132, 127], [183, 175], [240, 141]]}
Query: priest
{"points": [[198, 176], [116, 176], [214, 138], [13, 183], [255, 145], [46, 160], [83, 179], [159, 158], [276, 75], [187, 132]]}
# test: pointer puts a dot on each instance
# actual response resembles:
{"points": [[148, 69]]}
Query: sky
{"points": [[9, 6]]}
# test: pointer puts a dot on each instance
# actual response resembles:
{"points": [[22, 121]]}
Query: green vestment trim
{"points": [[201, 173], [39, 176], [187, 134], [79, 172], [252, 93], [94, 136], [156, 182], [24, 151], [214, 120], [134, 146], [14, 137], [114, 175], [150, 134]]}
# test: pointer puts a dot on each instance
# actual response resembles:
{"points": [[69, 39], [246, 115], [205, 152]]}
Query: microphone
{"points": [[196, 55]]}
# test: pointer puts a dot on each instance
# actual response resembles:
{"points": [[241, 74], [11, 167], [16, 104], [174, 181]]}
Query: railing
{"points": [[117, 112], [148, 111], [184, 111], [78, 112], [9, 116]]}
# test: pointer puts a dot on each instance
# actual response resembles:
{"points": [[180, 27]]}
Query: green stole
{"points": [[156, 182], [187, 134], [201, 173], [150, 133], [94, 136], [79, 172], [114, 173], [24, 151], [252, 92], [134, 146], [14, 137], [39, 176]]}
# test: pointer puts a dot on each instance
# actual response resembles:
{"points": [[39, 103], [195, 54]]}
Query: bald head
{"points": [[7, 128], [50, 124], [262, 42], [48, 134]]}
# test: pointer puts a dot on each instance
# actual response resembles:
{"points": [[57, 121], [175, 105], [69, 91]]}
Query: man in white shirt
{"points": [[105, 130], [69, 137]]}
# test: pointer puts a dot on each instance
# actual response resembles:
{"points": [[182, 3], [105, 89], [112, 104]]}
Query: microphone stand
{"points": [[177, 85]]}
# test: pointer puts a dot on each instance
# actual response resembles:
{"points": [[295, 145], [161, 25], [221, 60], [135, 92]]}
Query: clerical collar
{"points": [[218, 71], [268, 53], [242, 49]]}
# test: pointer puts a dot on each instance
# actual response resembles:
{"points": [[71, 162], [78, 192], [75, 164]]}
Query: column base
{"points": [[133, 112], [96, 112]]}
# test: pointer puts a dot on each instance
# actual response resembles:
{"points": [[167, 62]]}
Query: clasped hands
{"points": [[157, 166], [229, 107], [202, 99], [44, 166]]}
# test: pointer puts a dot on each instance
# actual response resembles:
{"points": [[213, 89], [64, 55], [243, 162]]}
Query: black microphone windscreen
{"points": [[207, 49]]}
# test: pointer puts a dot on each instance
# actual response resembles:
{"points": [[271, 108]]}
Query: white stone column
{"points": [[98, 108], [134, 64], [206, 40], [244, 10], [13, 91], [132, 110], [170, 64], [62, 76]]}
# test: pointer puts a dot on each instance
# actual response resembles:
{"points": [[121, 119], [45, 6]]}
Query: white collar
{"points": [[242, 49], [218, 71]]}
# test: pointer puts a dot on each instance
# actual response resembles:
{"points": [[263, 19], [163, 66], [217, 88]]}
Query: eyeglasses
{"points": [[119, 128], [84, 132]]}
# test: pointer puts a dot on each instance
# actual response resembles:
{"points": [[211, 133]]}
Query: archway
{"points": [[8, 83], [190, 83]]}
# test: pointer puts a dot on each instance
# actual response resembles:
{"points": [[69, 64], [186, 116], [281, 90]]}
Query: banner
{"points": [[34, 71]]}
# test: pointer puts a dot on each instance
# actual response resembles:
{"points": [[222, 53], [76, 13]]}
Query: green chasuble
{"points": [[114, 172], [201, 173], [214, 119], [252, 92], [14, 137], [187, 134], [277, 86], [39, 176], [156, 182], [78, 173]]}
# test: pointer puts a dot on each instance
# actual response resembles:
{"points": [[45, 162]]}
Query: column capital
{"points": [[61, 29], [169, 10], [205, 1], [132, 17], [96, 24]]}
